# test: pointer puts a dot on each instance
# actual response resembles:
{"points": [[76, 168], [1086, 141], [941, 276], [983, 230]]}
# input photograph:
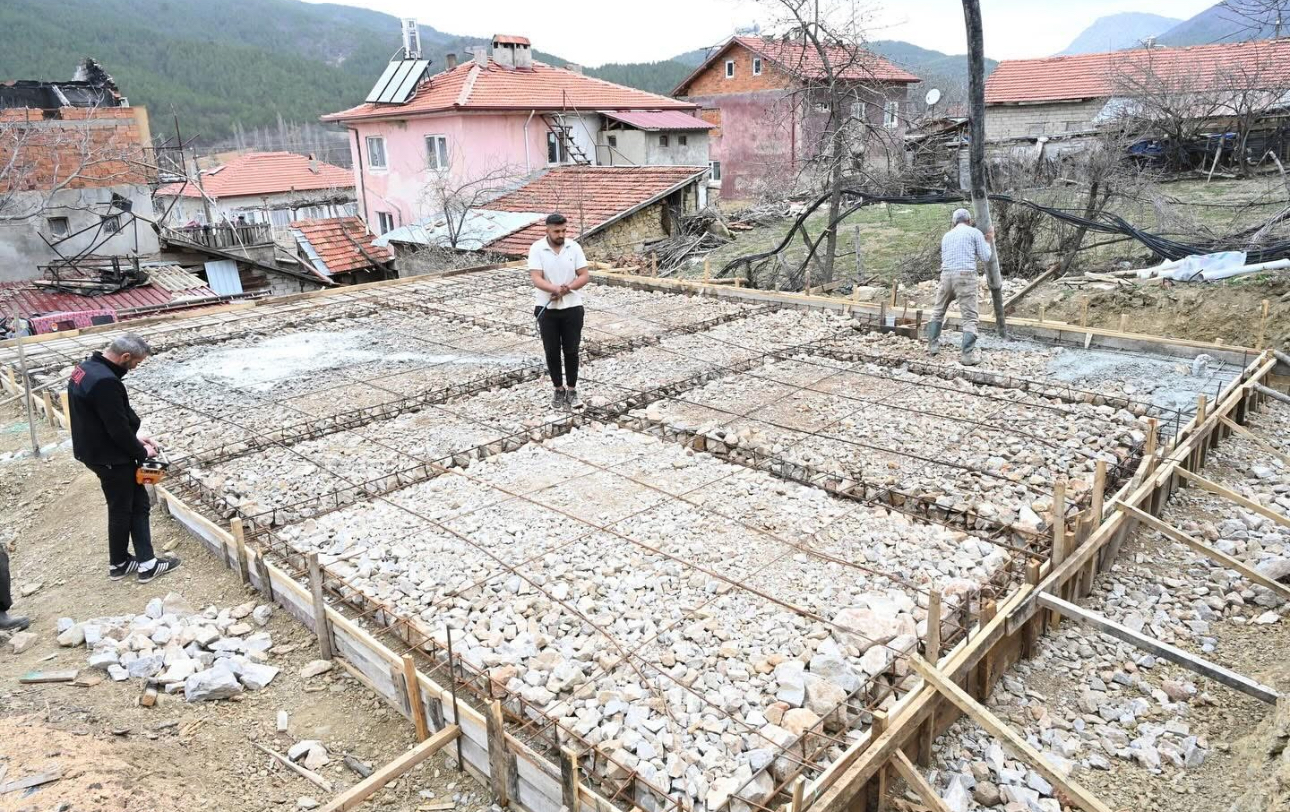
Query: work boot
{"points": [[933, 337], [558, 399], [12, 623], [971, 356]]}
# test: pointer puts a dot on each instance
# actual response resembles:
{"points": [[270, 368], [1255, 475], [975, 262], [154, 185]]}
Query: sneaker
{"points": [[161, 567], [571, 399], [13, 623], [118, 571], [558, 399]]}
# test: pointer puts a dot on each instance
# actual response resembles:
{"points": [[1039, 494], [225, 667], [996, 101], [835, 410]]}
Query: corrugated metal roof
{"points": [[655, 120], [172, 277], [479, 228], [29, 301]]}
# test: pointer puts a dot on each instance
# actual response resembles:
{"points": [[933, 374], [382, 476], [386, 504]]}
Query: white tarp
{"points": [[1210, 267]]}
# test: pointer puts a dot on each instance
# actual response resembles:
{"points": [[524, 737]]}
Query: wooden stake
{"points": [[914, 778], [1250, 504], [1059, 552], [50, 414], [417, 707], [876, 789], [985, 670], [1201, 402], [799, 787], [239, 549], [498, 763], [1263, 326], [1099, 489], [933, 639], [355, 795], [569, 779], [1083, 313], [322, 625], [999, 730], [1198, 665], [707, 269], [1204, 549], [1124, 322], [1030, 631], [1041, 314]]}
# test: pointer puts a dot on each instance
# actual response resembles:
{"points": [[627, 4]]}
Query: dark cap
{"points": [[555, 219]]}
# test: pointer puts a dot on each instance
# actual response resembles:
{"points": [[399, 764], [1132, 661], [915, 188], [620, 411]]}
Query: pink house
{"points": [[423, 142]]}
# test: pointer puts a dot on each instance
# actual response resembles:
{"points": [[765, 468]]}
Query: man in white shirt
{"points": [[558, 269], [961, 247]]}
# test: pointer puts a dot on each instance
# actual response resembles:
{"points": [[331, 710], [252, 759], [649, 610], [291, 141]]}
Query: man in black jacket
{"points": [[105, 438]]}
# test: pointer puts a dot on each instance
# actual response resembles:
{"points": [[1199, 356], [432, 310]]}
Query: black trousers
{"points": [[6, 597], [128, 513], [561, 335]]}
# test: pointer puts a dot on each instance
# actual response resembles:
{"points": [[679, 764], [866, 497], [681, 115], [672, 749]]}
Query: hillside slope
{"points": [[1118, 31]]}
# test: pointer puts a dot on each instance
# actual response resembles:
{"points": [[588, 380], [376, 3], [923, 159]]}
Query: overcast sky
{"points": [[594, 31]]}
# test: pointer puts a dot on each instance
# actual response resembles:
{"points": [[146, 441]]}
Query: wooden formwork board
{"points": [[1003, 640], [536, 783]]}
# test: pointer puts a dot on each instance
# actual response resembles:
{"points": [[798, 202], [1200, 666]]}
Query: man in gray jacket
{"points": [[961, 248]]}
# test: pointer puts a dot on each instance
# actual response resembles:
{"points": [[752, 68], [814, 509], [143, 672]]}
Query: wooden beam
{"points": [[498, 763], [239, 549], [321, 625], [1272, 393], [799, 792], [1209, 552], [30, 781], [1262, 443], [1192, 663], [876, 788], [415, 704], [355, 795], [918, 783], [998, 729], [1226, 493]]}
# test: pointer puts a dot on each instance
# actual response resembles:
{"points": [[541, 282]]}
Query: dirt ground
{"points": [[1214, 311], [116, 755]]}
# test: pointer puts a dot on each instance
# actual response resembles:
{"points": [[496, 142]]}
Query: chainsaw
{"points": [[152, 470]]}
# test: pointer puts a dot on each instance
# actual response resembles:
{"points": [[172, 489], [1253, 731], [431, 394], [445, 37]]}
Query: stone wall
{"points": [[1018, 121], [629, 234]]}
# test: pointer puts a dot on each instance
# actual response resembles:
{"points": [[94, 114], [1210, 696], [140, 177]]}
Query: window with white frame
{"points": [[891, 114], [756, 66], [715, 168], [730, 69], [859, 112], [376, 152], [437, 151], [384, 222]]}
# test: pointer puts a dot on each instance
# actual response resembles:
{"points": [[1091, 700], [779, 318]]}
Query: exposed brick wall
{"points": [[713, 82], [712, 115], [77, 147]]}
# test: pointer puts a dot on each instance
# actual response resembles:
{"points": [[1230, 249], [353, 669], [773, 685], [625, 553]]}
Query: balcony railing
{"points": [[223, 236]]}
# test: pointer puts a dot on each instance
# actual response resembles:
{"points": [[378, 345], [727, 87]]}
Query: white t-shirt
{"points": [[558, 269]]}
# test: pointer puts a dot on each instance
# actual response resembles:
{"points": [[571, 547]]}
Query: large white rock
{"points": [[256, 676], [213, 683]]}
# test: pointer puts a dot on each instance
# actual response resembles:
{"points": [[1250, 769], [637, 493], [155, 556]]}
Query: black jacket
{"points": [[104, 427]]}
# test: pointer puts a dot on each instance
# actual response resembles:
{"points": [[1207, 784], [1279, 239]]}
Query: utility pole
{"points": [[976, 153]]}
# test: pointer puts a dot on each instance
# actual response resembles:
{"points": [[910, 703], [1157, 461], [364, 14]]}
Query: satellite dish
{"points": [[933, 96]]}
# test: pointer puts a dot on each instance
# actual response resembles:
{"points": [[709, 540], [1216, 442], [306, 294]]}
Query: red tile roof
{"points": [[470, 87], [1088, 76], [510, 39], [803, 61], [659, 120], [590, 196], [335, 240], [262, 173]]}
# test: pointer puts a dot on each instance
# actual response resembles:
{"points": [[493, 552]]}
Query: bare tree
{"points": [[834, 95], [453, 200], [1166, 97], [1260, 18], [44, 158]]}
